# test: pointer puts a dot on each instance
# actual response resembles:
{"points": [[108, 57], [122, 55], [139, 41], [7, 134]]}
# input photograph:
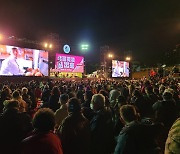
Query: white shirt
{"points": [[10, 67], [117, 72]]}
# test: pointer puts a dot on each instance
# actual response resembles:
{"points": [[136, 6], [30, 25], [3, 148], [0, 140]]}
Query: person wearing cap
{"points": [[75, 130], [10, 65]]}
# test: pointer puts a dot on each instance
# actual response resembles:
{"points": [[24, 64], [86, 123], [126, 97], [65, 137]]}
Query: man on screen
{"points": [[118, 70], [10, 65]]}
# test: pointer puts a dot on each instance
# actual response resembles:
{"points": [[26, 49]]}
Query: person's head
{"points": [[44, 120], [167, 96], [16, 94], [98, 102], [137, 93], [128, 113], [14, 52], [24, 90], [63, 98], [11, 104], [55, 91], [161, 89], [88, 95], [74, 105], [149, 90], [121, 100]]}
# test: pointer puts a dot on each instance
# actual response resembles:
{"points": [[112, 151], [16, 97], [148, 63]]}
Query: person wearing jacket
{"points": [[42, 140], [75, 130]]}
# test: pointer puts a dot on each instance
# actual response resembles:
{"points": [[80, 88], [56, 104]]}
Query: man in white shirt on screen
{"points": [[118, 70], [10, 65]]}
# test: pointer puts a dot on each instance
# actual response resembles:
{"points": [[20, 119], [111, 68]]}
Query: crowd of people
{"points": [[90, 117]]}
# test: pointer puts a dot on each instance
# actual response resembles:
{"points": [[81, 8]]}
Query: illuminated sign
{"points": [[66, 48], [69, 63]]}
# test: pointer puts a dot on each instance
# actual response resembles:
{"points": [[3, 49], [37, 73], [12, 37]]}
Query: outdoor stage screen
{"points": [[23, 61], [120, 68], [69, 63]]}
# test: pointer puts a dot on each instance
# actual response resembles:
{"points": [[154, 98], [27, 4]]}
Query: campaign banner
{"points": [[69, 63]]}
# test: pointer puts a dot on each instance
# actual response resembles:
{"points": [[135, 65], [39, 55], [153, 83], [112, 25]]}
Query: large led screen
{"points": [[69, 63], [120, 68], [23, 61]]}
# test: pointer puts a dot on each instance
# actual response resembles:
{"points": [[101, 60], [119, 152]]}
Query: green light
{"points": [[84, 46]]}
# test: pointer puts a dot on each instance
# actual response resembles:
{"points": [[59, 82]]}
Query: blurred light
{"points": [[1, 37], [110, 55], [50, 46], [128, 58], [84, 46], [45, 45]]}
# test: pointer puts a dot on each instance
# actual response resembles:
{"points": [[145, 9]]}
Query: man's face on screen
{"points": [[15, 52]]}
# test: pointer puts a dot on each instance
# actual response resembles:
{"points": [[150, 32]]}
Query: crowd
{"points": [[90, 117]]}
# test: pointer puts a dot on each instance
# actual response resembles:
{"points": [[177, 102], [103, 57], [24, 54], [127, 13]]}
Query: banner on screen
{"points": [[69, 63], [23, 61], [120, 68]]}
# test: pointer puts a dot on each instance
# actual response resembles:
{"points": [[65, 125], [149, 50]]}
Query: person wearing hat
{"points": [[75, 130]]}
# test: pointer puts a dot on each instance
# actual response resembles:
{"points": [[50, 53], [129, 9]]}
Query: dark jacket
{"points": [[53, 102], [14, 126], [165, 112], [102, 133], [136, 138], [75, 134]]}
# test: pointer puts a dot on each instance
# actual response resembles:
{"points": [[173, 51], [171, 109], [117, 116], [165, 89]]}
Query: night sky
{"points": [[148, 28]]}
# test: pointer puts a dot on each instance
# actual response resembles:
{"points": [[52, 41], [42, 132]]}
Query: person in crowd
{"points": [[62, 112], [22, 104], [166, 110], [118, 125], [101, 127], [54, 99], [142, 105], [135, 137], [150, 96], [87, 98], [173, 140], [26, 97], [75, 130], [86, 108], [5, 95], [14, 126], [42, 139], [113, 95], [45, 94]]}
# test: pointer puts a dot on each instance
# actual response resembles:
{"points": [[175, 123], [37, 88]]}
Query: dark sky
{"points": [[146, 27]]}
